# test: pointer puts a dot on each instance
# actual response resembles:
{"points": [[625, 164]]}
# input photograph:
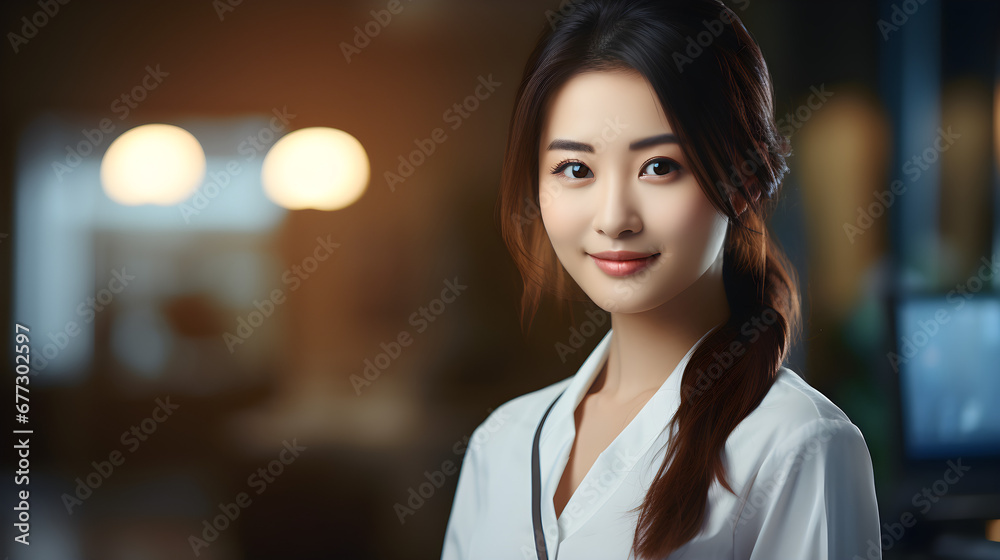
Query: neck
{"points": [[646, 346]]}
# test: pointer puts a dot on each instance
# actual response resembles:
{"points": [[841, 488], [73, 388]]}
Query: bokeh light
{"points": [[316, 167], [153, 164]]}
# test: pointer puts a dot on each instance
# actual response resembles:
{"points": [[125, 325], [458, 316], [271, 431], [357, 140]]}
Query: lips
{"points": [[622, 263]]}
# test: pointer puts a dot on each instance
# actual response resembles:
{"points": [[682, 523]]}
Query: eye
{"points": [[576, 170], [661, 166]]}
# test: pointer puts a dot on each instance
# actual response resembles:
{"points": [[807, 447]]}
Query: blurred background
{"points": [[229, 365]]}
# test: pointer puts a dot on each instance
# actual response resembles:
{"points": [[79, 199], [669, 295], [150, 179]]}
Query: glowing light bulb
{"points": [[153, 164], [316, 167]]}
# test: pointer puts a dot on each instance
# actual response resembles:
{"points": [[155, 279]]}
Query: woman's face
{"points": [[626, 217]]}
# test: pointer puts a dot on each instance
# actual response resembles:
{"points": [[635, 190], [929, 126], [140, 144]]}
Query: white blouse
{"points": [[801, 468]]}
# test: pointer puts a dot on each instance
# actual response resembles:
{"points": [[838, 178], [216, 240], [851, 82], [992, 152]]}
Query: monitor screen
{"points": [[947, 355]]}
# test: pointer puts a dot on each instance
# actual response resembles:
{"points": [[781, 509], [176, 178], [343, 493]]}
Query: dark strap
{"points": [[536, 488]]}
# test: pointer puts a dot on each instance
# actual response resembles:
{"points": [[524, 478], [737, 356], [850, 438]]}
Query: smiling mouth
{"points": [[622, 263]]}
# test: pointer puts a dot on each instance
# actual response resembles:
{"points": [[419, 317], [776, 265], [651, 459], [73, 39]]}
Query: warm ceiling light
{"points": [[316, 167], [153, 164]]}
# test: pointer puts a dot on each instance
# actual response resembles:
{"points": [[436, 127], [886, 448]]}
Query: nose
{"points": [[617, 213]]}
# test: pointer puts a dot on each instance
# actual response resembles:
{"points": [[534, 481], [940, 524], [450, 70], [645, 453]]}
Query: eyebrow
{"points": [[572, 145]]}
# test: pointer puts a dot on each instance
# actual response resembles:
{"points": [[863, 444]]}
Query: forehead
{"points": [[588, 101]]}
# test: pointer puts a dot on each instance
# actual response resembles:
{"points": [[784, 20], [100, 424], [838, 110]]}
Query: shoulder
{"points": [[514, 420], [791, 390], [792, 403], [794, 416], [804, 475]]}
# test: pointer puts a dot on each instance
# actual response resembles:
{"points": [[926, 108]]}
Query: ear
{"points": [[739, 202]]}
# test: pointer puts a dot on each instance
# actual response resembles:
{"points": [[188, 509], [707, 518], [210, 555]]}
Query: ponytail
{"points": [[727, 376]]}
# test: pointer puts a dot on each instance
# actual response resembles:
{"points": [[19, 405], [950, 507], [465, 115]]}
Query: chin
{"points": [[636, 301], [643, 291]]}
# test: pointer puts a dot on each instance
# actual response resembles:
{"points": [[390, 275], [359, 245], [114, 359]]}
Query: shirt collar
{"points": [[620, 457], [580, 383]]}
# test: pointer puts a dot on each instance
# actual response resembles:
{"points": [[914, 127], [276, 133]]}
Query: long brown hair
{"points": [[711, 80]]}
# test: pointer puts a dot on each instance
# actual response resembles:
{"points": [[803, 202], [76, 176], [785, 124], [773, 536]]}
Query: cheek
{"points": [[563, 215], [685, 219], [560, 225]]}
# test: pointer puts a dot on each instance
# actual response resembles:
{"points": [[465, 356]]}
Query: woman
{"points": [[642, 161]]}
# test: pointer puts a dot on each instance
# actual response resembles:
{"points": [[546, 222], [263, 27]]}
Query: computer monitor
{"points": [[947, 356]]}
